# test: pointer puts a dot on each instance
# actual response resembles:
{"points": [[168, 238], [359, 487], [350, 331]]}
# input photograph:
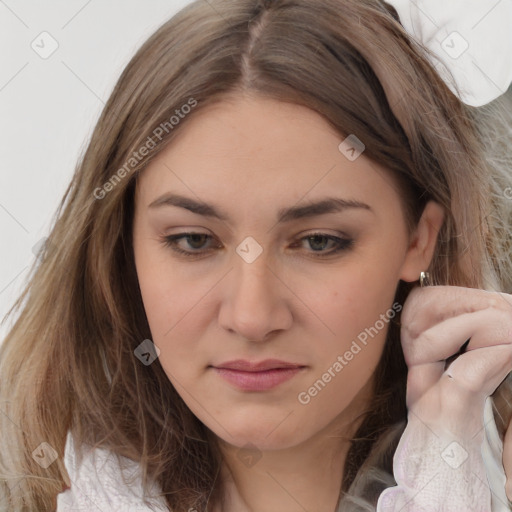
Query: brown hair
{"points": [[68, 361]]}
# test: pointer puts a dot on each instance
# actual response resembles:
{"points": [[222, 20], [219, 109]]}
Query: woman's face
{"points": [[307, 291]]}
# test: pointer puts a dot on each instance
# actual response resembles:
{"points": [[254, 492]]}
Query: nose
{"points": [[255, 301]]}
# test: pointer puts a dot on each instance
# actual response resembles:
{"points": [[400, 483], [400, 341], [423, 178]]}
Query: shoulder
{"points": [[97, 483]]}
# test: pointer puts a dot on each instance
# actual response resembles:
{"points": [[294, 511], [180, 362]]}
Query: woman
{"points": [[229, 298]]}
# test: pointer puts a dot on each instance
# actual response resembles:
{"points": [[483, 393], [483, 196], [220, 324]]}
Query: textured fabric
{"points": [[97, 484], [432, 474], [492, 452], [435, 473]]}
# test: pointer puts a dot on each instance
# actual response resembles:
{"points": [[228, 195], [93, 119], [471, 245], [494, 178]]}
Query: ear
{"points": [[423, 242]]}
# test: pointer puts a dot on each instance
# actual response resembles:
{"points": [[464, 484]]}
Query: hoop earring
{"points": [[424, 279]]}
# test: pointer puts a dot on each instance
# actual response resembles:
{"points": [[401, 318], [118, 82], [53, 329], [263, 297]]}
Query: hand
{"points": [[436, 323], [438, 464]]}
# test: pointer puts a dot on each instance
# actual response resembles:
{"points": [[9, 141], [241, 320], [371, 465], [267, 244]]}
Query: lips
{"points": [[257, 376], [248, 366]]}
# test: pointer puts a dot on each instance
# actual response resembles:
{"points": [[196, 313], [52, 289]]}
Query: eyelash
{"points": [[343, 244]]}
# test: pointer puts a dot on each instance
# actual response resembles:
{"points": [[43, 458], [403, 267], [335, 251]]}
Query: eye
{"points": [[317, 241], [196, 243]]}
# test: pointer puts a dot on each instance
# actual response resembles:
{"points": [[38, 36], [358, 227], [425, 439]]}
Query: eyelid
{"points": [[343, 243]]}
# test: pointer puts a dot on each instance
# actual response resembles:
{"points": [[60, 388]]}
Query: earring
{"points": [[424, 279]]}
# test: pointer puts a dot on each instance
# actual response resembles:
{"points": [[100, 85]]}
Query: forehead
{"points": [[254, 126], [248, 150]]}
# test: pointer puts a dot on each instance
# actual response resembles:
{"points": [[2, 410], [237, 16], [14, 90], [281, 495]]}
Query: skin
{"points": [[436, 322], [250, 157]]}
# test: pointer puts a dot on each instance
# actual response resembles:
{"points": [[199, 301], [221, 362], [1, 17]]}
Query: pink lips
{"points": [[260, 376]]}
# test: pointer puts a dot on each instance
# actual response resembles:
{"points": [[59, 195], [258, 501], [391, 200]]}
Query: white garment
{"points": [[492, 452], [436, 474], [96, 484]]}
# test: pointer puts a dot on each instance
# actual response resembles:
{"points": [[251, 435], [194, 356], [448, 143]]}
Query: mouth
{"points": [[257, 376]]}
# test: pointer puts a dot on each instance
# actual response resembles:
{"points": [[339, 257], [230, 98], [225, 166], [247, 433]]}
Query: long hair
{"points": [[68, 361]]}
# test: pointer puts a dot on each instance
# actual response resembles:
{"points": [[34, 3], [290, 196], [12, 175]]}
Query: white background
{"points": [[48, 107]]}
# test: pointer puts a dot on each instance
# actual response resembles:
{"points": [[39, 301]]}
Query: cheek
{"points": [[157, 298], [358, 313], [356, 303], [166, 294], [351, 300], [172, 308], [179, 310]]}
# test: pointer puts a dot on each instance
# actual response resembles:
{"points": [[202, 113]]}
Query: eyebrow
{"points": [[310, 209]]}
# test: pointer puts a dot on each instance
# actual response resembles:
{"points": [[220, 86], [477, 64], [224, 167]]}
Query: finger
{"points": [[480, 372], [472, 374], [421, 378], [486, 328], [426, 307]]}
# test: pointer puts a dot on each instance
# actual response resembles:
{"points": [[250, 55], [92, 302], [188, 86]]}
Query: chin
{"points": [[264, 435]]}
